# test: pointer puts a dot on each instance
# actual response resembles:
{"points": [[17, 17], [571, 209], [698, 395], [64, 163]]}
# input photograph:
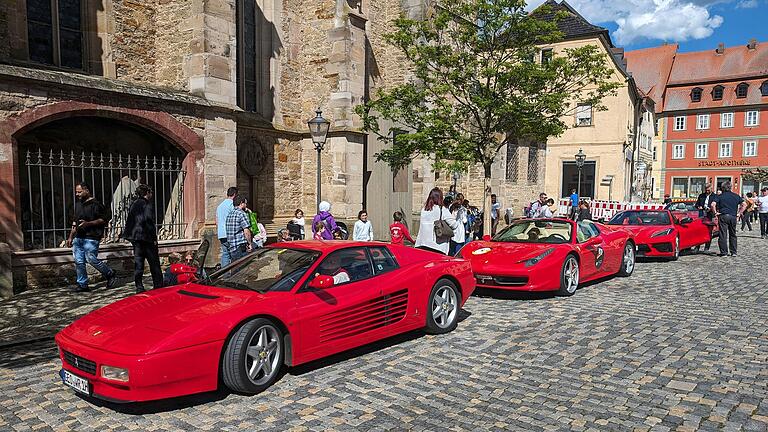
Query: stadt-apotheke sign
{"points": [[724, 163]]}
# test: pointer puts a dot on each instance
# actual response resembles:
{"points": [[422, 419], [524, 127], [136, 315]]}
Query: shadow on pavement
{"points": [[159, 406], [514, 295], [31, 354]]}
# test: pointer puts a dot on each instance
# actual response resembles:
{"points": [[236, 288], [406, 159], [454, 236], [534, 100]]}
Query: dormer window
{"points": [[741, 90], [696, 94], [717, 92], [764, 89]]}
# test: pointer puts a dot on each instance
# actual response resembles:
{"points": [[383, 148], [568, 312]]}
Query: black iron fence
{"points": [[48, 181]]}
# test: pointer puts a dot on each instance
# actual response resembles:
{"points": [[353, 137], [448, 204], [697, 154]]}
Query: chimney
{"points": [[720, 48], [752, 44]]}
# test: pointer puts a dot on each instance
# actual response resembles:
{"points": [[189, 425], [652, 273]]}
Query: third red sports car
{"points": [[659, 233], [549, 255], [287, 304]]}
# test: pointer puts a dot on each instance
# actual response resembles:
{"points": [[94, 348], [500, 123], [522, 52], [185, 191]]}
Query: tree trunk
{"points": [[487, 199]]}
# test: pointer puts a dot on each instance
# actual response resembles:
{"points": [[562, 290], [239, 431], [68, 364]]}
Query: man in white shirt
{"points": [[762, 211], [540, 209]]}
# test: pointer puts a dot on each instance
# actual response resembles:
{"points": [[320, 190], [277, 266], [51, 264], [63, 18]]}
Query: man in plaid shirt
{"points": [[239, 237]]}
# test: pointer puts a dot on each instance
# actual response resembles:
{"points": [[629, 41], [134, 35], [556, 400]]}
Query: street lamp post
{"points": [[318, 129], [580, 158]]}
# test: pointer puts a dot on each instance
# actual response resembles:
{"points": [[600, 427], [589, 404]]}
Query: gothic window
{"points": [[533, 163], [513, 160], [256, 37], [696, 94], [55, 32], [717, 92], [741, 90], [764, 89]]}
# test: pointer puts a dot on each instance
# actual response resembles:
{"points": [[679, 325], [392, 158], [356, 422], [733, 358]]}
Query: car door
{"points": [[692, 233], [344, 315], [398, 289], [591, 250]]}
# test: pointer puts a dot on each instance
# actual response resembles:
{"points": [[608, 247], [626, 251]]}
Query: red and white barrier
{"points": [[608, 209]]}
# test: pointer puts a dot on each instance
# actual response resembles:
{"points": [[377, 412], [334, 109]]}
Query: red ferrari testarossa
{"points": [[287, 304]]}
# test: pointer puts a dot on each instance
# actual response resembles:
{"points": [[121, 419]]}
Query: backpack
{"points": [[443, 231]]}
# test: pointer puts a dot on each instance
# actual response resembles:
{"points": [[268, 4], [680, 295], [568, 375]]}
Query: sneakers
{"points": [[112, 280], [80, 289]]}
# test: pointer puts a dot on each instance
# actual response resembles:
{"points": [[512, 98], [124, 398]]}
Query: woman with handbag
{"points": [[436, 225]]}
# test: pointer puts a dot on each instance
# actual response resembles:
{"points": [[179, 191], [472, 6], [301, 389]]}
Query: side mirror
{"points": [[685, 220], [486, 237], [321, 282], [184, 273]]}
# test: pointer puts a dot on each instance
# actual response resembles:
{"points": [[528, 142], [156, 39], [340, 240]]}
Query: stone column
{"points": [[212, 64]]}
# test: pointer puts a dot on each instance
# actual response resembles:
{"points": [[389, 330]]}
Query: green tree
{"points": [[476, 85]]}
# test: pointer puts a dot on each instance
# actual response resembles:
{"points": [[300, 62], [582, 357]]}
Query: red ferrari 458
{"points": [[549, 255], [287, 304], [659, 233]]}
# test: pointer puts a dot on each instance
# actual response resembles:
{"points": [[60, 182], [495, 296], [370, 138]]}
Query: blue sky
{"points": [[695, 25]]}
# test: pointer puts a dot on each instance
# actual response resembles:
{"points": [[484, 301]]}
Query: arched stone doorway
{"points": [[45, 150], [113, 157]]}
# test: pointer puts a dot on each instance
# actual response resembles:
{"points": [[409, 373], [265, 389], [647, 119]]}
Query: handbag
{"points": [[443, 231]]}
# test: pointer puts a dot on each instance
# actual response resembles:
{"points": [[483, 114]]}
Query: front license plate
{"points": [[79, 384]]}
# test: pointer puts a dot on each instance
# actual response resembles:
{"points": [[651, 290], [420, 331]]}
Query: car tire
{"points": [[675, 249], [443, 307], [253, 357], [628, 258], [569, 276]]}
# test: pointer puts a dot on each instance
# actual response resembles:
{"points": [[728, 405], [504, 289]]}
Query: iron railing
{"points": [[48, 183]]}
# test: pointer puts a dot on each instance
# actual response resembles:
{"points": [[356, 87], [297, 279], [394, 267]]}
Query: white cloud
{"points": [[669, 20], [747, 4]]}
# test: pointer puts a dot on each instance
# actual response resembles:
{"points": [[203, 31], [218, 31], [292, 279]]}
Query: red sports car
{"points": [[287, 304], [659, 233], [685, 208], [549, 255]]}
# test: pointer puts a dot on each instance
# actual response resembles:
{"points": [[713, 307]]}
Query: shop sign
{"points": [[725, 163]]}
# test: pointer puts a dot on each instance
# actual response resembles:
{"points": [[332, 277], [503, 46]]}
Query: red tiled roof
{"points": [[679, 97], [735, 63], [650, 68]]}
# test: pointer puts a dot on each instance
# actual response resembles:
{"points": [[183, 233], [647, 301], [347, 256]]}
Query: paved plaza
{"points": [[677, 346]]}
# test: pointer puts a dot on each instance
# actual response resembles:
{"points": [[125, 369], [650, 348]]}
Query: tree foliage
{"points": [[477, 84]]}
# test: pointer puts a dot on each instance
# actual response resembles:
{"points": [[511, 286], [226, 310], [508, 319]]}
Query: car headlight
{"points": [[535, 260], [114, 373], [662, 233]]}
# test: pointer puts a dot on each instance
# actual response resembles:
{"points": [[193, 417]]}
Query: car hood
{"points": [[153, 321], [642, 232], [500, 255]]}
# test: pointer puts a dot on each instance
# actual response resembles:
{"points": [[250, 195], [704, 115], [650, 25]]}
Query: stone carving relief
{"points": [[252, 154]]}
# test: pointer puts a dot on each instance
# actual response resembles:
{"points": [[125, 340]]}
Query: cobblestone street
{"points": [[677, 346]]}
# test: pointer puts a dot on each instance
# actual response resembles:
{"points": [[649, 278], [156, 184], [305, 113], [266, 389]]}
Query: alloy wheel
{"points": [[262, 356], [629, 258], [571, 275], [444, 306]]}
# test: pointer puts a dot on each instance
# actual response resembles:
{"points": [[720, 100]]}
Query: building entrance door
{"points": [[571, 179]]}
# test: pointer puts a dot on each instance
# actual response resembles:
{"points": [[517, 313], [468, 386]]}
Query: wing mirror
{"points": [[321, 282], [486, 237], [184, 273], [685, 220]]}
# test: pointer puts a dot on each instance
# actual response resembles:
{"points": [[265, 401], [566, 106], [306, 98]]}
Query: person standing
{"points": [[728, 207], [540, 209], [495, 206], [239, 236], [222, 211], [584, 212], [702, 202], [459, 235], [432, 212], [141, 231], [398, 231], [574, 204], [762, 211], [326, 218], [363, 230], [91, 217], [749, 208]]}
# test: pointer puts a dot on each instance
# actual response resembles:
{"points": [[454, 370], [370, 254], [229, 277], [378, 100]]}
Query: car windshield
{"points": [[640, 218], [536, 231], [270, 269]]}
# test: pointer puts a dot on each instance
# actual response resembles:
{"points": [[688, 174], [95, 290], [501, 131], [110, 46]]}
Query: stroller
{"points": [[295, 231]]}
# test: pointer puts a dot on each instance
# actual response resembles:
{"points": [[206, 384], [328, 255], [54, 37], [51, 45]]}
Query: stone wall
{"points": [[133, 41]]}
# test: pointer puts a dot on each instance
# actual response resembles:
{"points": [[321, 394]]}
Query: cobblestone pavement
{"points": [[678, 346]]}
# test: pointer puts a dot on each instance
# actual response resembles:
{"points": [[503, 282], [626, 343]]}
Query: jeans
{"points": [[226, 257], [87, 250], [454, 247], [764, 224], [146, 250], [727, 234], [238, 253]]}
